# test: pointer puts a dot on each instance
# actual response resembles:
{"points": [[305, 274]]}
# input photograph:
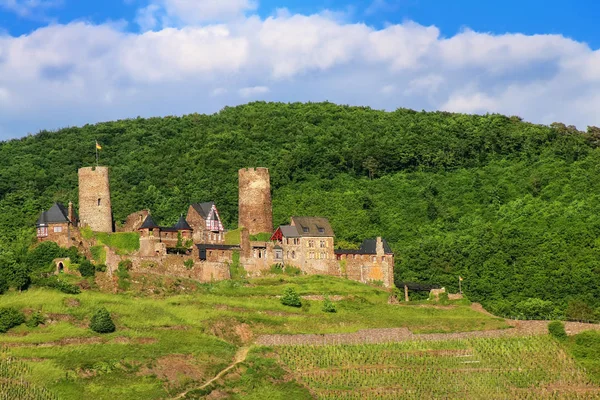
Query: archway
{"points": [[61, 267]]}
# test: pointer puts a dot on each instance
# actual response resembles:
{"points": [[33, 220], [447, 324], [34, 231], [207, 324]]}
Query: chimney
{"points": [[379, 247], [71, 215]]}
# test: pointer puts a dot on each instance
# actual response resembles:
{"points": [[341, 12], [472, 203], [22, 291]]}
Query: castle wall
{"points": [[134, 221], [255, 210], [95, 210]]}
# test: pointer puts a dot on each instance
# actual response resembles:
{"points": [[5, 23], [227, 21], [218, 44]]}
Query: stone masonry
{"points": [[95, 209], [255, 200]]}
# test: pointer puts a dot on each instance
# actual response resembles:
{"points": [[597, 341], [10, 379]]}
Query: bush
{"points": [[102, 322], [188, 264], [535, 309], [87, 269], [123, 274], [443, 298], [290, 298], [557, 330], [578, 310], [36, 319], [9, 318], [55, 283], [328, 305], [101, 268]]}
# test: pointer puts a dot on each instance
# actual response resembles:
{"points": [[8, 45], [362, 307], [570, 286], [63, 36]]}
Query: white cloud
{"points": [[79, 73], [191, 12], [29, 8], [253, 91]]}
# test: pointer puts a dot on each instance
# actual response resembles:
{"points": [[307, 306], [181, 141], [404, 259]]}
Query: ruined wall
{"points": [[174, 265], [134, 221], [367, 268], [255, 212], [95, 209]]}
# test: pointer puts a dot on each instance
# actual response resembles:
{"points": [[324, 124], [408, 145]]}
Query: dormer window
{"points": [[305, 229], [321, 230]]}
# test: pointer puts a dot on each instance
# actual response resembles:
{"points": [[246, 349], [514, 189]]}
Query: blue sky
{"points": [[70, 62]]}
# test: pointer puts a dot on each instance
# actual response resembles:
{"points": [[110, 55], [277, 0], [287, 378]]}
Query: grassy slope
{"points": [[194, 335]]}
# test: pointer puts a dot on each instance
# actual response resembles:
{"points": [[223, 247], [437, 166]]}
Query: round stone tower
{"points": [[95, 210], [255, 212]]}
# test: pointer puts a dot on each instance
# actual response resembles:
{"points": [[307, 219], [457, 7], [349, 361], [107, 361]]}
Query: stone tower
{"points": [[95, 209], [255, 213]]}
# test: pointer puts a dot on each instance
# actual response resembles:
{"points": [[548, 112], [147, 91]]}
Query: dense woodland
{"points": [[511, 206]]}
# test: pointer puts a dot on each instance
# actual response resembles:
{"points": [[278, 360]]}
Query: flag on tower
{"points": [[98, 147], [460, 278]]}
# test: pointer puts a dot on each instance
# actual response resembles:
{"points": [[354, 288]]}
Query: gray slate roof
{"points": [[182, 225], [289, 231], [313, 226], [148, 223], [203, 208], [57, 214], [369, 246]]}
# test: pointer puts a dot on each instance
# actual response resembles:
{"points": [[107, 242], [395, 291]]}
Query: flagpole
{"points": [[96, 145], [459, 285]]}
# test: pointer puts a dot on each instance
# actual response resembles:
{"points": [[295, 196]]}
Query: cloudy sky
{"points": [[71, 62]]}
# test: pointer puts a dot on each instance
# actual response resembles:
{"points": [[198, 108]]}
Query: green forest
{"points": [[512, 207]]}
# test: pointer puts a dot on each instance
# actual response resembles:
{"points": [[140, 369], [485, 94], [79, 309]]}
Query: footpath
{"points": [[391, 335]]}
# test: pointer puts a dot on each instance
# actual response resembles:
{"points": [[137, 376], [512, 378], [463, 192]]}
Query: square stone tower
{"points": [[255, 210], [95, 210]]}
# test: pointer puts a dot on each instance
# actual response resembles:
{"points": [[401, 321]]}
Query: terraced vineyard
{"points": [[13, 383], [498, 368]]}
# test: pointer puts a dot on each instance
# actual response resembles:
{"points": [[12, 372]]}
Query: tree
{"points": [[290, 298], [101, 321]]}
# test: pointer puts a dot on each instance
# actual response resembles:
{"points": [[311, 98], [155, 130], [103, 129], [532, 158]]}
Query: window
{"points": [[322, 244], [289, 241], [321, 230], [296, 241], [311, 255], [293, 255], [311, 243], [322, 256], [305, 229], [57, 229], [278, 254], [374, 258], [99, 200], [42, 232]]}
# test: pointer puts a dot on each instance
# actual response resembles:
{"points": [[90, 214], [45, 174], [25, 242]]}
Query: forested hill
{"points": [[513, 207]]}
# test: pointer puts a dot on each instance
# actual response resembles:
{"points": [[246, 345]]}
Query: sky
{"points": [[71, 62]]}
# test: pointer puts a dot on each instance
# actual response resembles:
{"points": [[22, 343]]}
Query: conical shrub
{"points": [[101, 321]]}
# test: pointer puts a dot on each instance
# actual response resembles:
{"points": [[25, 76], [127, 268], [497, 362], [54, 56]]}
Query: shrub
{"points": [[292, 271], [101, 321], [328, 305], [9, 318], [290, 298], [443, 298], [101, 268], [55, 283], [578, 310], [535, 308], [189, 263], [87, 269], [36, 319], [123, 274], [557, 329]]}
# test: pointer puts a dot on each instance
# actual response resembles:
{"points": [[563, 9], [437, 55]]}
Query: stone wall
{"points": [[60, 234], [255, 212], [174, 265], [134, 221], [95, 209]]}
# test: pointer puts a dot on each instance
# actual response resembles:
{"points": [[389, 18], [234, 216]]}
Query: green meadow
{"points": [[166, 344]]}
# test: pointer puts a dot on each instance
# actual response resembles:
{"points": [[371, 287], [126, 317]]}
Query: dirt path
{"points": [[389, 335], [240, 356]]}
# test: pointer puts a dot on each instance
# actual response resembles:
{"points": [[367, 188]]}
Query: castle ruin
{"points": [[255, 211], [195, 247], [95, 210]]}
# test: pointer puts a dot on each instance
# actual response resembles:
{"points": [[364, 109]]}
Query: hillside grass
{"points": [[194, 335]]}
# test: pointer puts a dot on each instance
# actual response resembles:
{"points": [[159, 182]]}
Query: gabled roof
{"points": [[313, 226], [148, 223], [203, 208], [57, 214], [369, 246], [182, 225], [289, 231]]}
